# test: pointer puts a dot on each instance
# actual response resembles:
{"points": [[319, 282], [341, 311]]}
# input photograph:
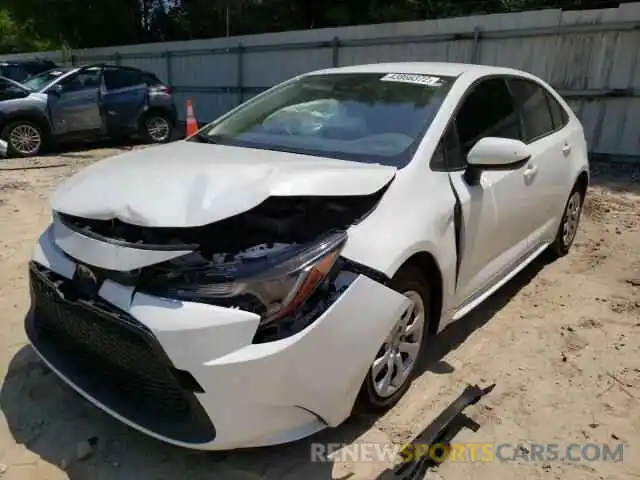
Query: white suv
{"points": [[250, 285]]}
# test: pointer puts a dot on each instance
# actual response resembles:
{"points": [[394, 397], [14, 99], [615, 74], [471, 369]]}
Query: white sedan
{"points": [[291, 261]]}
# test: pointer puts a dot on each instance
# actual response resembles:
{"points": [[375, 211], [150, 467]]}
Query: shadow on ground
{"points": [[616, 176], [457, 333], [50, 420]]}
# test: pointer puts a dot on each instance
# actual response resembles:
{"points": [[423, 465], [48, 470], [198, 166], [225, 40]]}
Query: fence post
{"points": [[240, 72], [475, 49], [169, 70], [335, 46]]}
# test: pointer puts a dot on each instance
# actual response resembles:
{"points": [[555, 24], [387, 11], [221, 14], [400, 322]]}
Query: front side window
{"points": [[488, 111], [364, 117], [84, 80], [533, 104]]}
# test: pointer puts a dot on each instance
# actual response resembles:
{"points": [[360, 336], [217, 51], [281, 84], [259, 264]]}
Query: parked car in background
{"points": [[294, 258], [20, 70], [84, 103], [10, 89]]}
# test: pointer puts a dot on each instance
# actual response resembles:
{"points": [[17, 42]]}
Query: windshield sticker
{"points": [[427, 80]]}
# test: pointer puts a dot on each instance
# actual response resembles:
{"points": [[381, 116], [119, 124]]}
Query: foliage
{"points": [[27, 25], [20, 37]]}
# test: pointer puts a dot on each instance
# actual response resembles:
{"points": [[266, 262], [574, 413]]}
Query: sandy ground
{"points": [[562, 342]]}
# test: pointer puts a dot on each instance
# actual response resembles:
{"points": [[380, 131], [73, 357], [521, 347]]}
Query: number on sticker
{"points": [[427, 80]]}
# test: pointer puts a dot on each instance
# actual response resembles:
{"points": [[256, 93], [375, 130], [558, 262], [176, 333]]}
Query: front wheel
{"points": [[156, 128], [569, 224], [395, 364], [24, 139]]}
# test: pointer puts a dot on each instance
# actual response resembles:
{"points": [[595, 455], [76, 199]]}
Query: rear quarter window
{"points": [[151, 80]]}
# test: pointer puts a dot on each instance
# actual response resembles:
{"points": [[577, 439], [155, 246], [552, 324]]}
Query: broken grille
{"points": [[113, 358]]}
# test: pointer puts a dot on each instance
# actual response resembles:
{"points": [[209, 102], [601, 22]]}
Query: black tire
{"points": [[149, 127], [16, 149], [408, 279], [563, 242]]}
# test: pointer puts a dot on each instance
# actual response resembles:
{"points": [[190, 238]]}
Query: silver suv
{"points": [[84, 103]]}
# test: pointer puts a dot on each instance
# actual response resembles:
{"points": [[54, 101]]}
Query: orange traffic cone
{"points": [[192, 124]]}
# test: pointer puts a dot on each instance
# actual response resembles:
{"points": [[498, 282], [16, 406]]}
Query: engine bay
{"points": [[277, 223]]}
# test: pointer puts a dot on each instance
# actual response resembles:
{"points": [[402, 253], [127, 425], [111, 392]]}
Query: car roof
{"points": [[447, 69], [90, 66]]}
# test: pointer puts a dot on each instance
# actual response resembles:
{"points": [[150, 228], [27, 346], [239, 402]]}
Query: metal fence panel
{"points": [[267, 68], [592, 57], [204, 70]]}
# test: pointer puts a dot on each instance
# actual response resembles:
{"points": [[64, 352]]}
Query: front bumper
{"points": [[202, 383]]}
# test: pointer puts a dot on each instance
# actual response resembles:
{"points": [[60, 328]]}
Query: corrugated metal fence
{"points": [[591, 57]]}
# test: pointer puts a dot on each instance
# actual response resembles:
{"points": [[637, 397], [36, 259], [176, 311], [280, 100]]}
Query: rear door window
{"points": [[117, 78], [558, 113], [534, 107]]}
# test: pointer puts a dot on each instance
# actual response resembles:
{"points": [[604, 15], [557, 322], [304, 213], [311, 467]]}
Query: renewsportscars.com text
{"points": [[469, 452]]}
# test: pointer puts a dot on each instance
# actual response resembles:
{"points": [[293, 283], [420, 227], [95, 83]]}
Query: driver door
{"points": [[74, 103], [495, 208]]}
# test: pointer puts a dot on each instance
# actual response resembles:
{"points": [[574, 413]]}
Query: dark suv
{"points": [[84, 103], [20, 70]]}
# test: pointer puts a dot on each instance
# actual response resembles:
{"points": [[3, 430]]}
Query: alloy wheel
{"points": [[158, 129], [25, 139], [571, 219], [398, 355]]}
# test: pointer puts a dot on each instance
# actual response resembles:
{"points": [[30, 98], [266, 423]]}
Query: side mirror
{"points": [[3, 148], [494, 153]]}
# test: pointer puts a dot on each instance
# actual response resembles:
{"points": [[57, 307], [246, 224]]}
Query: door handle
{"points": [[566, 150], [530, 172]]}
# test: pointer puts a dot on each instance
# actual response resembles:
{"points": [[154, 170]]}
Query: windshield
{"points": [[365, 117], [38, 82]]}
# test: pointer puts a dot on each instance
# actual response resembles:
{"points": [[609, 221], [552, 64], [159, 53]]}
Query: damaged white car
{"points": [[252, 284]]}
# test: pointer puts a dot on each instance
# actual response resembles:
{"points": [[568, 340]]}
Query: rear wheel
{"points": [[395, 364], [156, 127], [24, 138]]}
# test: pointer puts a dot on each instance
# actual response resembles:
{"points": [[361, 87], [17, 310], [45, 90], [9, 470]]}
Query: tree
{"points": [[88, 23], [19, 37], [97, 23]]}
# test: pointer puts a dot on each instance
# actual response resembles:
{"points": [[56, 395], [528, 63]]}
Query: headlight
{"points": [[273, 286]]}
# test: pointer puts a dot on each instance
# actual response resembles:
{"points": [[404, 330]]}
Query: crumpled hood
{"points": [[186, 184]]}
